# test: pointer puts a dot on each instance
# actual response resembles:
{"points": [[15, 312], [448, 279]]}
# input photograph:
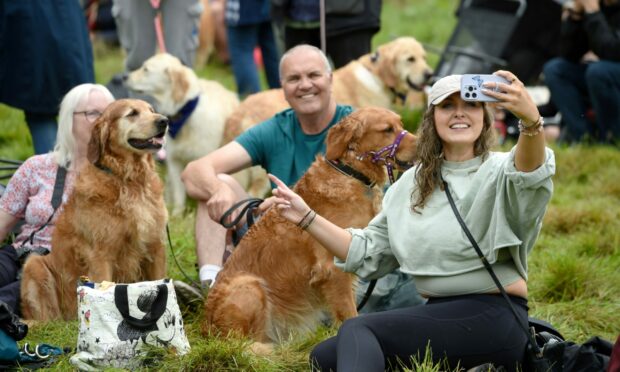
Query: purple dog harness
{"points": [[387, 155]]}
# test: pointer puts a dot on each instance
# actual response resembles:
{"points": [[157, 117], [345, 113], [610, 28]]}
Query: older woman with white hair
{"points": [[39, 188]]}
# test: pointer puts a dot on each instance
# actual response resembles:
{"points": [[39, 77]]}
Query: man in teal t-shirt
{"points": [[281, 147], [284, 145]]}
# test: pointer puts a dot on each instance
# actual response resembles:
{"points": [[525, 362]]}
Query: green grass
{"points": [[574, 278]]}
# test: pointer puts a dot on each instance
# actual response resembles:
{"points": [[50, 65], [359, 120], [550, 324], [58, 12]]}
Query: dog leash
{"points": [[158, 29], [250, 205], [174, 257]]}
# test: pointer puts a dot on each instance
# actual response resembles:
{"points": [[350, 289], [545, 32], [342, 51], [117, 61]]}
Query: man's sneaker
{"points": [[188, 294]]}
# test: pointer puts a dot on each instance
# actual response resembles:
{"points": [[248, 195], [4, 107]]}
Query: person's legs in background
{"points": [[567, 83], [295, 36], [136, 30], [241, 43], [344, 48], [181, 19], [270, 53], [603, 81], [43, 129]]}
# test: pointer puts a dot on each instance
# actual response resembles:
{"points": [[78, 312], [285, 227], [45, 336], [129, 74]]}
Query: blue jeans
{"points": [[241, 43], [575, 87], [393, 291], [43, 131]]}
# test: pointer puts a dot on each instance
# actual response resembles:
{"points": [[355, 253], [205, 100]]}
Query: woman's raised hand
{"points": [[290, 205], [513, 97]]}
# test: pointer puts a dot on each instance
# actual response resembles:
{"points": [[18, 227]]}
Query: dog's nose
{"points": [[428, 75], [161, 123]]}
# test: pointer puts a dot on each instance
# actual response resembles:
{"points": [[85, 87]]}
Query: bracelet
{"points": [[303, 218], [531, 130], [309, 222]]}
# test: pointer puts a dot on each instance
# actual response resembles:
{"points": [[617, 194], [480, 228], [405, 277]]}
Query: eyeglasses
{"points": [[90, 115]]}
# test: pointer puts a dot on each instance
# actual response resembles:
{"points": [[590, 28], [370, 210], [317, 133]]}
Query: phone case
{"points": [[471, 86]]}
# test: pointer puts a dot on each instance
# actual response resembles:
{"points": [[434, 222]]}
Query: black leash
{"points": [[487, 266], [248, 210], [174, 256], [351, 172]]}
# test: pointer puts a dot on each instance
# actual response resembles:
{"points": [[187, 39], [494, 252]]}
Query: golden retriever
{"points": [[113, 225], [383, 78], [175, 88], [279, 280]]}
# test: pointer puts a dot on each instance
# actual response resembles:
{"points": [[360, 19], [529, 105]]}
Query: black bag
{"points": [[10, 323], [566, 356]]}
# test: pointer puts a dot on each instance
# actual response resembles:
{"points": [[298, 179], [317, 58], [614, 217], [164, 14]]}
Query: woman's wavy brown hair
{"points": [[430, 154]]}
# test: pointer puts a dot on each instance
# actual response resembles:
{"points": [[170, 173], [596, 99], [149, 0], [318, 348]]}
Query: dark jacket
{"points": [[44, 52], [599, 32]]}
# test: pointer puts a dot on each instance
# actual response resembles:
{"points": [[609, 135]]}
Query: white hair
{"points": [[65, 143], [328, 67]]}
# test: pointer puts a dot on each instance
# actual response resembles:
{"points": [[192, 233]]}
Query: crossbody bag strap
{"points": [[487, 266]]}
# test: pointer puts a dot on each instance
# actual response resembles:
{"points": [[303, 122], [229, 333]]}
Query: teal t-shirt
{"points": [[280, 146]]}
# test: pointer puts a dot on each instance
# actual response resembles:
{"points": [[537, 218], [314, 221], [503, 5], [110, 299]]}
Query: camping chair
{"points": [[7, 168], [480, 37]]}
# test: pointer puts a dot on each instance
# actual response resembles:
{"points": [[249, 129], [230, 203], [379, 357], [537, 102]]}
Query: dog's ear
{"points": [[386, 66], [98, 139], [180, 83], [340, 136]]}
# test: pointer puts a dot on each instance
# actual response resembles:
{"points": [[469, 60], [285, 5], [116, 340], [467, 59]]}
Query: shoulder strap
{"points": [[59, 187], [487, 266]]}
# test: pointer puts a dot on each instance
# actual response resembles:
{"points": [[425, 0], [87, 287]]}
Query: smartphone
{"points": [[471, 86]]}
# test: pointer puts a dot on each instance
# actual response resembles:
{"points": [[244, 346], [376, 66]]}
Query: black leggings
{"points": [[470, 330], [9, 285]]}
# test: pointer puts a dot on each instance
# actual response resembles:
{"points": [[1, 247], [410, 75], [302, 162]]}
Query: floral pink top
{"points": [[29, 195]]}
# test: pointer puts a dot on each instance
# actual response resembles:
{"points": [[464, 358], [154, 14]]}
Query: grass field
{"points": [[574, 279]]}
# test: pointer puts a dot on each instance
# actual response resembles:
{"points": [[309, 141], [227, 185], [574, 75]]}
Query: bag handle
{"points": [[152, 315], [487, 266], [248, 209]]}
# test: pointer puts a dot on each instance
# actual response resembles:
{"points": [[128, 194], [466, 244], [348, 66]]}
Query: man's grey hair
{"points": [[299, 47]]}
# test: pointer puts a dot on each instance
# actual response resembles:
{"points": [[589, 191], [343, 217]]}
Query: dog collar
{"points": [[349, 171], [178, 120], [402, 97]]}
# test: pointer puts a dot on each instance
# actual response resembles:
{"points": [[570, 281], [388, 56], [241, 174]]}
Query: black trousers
{"points": [[342, 49], [470, 330], [9, 285]]}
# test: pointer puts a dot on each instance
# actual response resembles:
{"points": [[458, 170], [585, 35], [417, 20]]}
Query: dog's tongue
{"points": [[157, 141]]}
